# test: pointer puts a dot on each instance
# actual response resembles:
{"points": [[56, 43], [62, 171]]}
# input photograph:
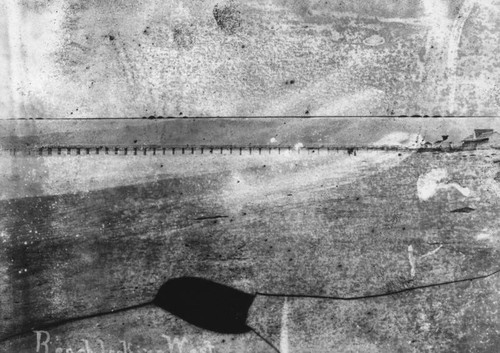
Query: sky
{"points": [[127, 58]]}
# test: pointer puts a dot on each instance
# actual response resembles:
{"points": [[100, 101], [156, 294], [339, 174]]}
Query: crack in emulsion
{"points": [[425, 286], [176, 294]]}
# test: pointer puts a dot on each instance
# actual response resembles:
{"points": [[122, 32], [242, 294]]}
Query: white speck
{"points": [[423, 322], [411, 258], [426, 326], [273, 140], [483, 236], [25, 243], [298, 146]]}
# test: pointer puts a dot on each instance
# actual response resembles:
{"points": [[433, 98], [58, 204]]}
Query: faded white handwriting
{"points": [[172, 344]]}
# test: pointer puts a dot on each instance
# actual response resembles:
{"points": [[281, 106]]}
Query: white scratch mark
{"points": [[436, 13], [298, 146], [464, 191], [284, 342], [430, 253], [411, 258], [454, 44]]}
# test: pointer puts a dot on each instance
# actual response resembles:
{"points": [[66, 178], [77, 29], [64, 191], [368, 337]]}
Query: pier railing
{"points": [[207, 149]]}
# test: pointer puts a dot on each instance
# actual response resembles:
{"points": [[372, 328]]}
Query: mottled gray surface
{"points": [[332, 224], [238, 131], [81, 235], [93, 58]]}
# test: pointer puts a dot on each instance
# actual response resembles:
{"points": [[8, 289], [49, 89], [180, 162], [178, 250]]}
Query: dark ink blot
{"points": [[206, 304], [466, 209], [111, 37], [227, 17]]}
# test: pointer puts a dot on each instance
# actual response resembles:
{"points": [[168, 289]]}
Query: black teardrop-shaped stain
{"points": [[206, 304]]}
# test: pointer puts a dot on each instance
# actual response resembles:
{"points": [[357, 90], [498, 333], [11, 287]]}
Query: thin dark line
{"points": [[375, 295], [260, 117], [73, 319], [209, 218], [264, 339], [216, 147], [66, 321]]}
